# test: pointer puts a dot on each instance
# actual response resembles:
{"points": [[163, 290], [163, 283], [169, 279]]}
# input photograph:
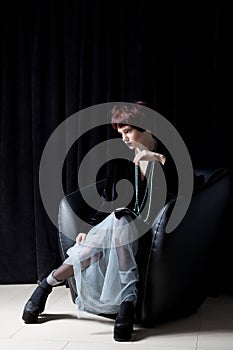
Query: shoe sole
{"points": [[121, 339], [29, 318], [122, 334]]}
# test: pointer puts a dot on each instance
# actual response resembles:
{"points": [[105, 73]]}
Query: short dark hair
{"points": [[128, 114]]}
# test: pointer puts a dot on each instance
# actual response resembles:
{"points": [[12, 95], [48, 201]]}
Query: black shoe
{"points": [[36, 303], [123, 327]]}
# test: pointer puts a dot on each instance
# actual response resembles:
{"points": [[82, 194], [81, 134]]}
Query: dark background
{"points": [[59, 57]]}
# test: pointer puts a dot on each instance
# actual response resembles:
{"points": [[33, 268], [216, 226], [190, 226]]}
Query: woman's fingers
{"points": [[144, 155], [81, 237], [149, 156]]}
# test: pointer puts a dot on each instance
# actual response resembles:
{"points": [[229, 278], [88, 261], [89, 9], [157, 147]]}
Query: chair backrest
{"points": [[71, 209]]}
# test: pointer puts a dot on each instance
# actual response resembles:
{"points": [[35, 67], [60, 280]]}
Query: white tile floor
{"points": [[210, 328]]}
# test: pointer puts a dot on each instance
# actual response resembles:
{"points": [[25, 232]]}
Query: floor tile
{"points": [[119, 346], [63, 327], [216, 340], [9, 344]]}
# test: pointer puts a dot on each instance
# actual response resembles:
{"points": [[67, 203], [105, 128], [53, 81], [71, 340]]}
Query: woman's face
{"points": [[132, 137]]}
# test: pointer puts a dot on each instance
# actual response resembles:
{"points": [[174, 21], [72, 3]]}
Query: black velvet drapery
{"points": [[58, 57]]}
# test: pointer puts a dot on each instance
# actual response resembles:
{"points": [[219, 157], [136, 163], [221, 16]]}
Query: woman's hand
{"points": [[149, 156], [81, 237]]}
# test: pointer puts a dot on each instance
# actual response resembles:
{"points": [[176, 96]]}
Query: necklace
{"points": [[137, 207]]}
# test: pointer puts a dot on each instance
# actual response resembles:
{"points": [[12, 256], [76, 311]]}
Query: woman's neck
{"points": [[151, 144]]}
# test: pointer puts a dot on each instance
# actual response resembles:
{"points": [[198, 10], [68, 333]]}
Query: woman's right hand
{"points": [[81, 237]]}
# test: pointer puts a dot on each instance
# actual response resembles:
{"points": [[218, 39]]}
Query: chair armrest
{"points": [[177, 271]]}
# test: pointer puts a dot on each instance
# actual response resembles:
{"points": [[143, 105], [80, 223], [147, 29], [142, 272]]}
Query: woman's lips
{"points": [[129, 144]]}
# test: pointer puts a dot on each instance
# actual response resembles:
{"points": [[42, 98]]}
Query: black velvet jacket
{"points": [[125, 169]]}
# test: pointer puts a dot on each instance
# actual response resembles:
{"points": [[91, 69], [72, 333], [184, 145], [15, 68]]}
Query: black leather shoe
{"points": [[36, 303], [123, 327]]}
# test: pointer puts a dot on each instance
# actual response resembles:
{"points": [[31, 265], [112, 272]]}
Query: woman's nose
{"points": [[125, 138]]}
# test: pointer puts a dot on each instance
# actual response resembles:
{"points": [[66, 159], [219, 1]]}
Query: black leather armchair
{"points": [[175, 268]]}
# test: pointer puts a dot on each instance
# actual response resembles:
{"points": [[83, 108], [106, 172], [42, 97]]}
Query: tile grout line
{"points": [[16, 332], [198, 332], [64, 346]]}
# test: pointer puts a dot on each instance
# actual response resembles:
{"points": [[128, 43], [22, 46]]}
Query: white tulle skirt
{"points": [[105, 269]]}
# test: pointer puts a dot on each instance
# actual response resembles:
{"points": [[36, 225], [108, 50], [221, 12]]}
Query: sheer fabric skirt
{"points": [[105, 269]]}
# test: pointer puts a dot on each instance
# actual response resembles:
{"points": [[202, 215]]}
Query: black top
{"points": [[125, 169]]}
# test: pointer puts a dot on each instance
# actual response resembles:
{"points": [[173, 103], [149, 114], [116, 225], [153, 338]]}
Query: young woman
{"points": [[103, 261]]}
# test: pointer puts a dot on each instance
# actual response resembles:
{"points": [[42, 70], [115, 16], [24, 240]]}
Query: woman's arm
{"points": [[149, 156]]}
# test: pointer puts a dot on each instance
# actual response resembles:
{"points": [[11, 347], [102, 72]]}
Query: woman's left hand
{"points": [[149, 156], [81, 237]]}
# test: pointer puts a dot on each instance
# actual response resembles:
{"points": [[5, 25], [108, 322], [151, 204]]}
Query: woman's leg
{"points": [[36, 303], [123, 327], [128, 272], [63, 272]]}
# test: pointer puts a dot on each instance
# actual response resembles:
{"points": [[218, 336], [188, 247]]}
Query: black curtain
{"points": [[59, 57]]}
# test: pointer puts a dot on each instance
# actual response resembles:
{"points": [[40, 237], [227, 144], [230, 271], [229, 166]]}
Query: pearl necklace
{"points": [[137, 207]]}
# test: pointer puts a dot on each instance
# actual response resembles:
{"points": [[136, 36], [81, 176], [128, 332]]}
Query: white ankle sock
{"points": [[52, 280]]}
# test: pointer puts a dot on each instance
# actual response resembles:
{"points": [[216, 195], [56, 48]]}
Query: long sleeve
{"points": [[118, 169]]}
